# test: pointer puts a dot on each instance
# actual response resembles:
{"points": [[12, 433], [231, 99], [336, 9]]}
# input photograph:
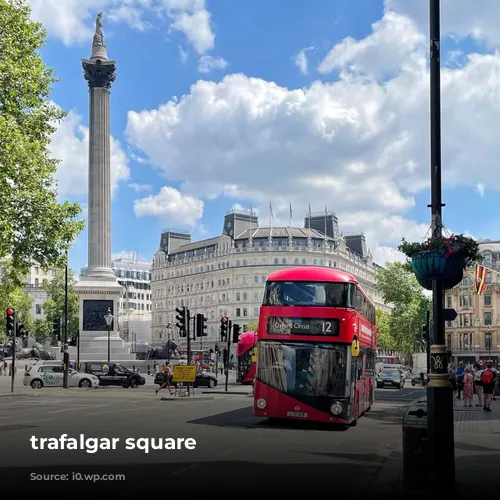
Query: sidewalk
{"points": [[477, 453]]}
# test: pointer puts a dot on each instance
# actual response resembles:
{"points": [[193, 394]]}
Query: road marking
{"points": [[255, 441], [412, 392], [224, 453], [113, 411], [76, 408], [184, 469]]}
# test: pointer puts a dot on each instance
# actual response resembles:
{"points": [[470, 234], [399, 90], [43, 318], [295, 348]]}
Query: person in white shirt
{"points": [[477, 384]]}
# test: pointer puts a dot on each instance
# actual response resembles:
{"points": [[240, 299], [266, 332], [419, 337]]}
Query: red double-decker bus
{"points": [[316, 347], [244, 354]]}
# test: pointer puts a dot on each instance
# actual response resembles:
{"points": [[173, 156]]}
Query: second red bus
{"points": [[245, 349]]}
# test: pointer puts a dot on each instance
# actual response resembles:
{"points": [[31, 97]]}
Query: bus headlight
{"points": [[261, 403], [336, 408]]}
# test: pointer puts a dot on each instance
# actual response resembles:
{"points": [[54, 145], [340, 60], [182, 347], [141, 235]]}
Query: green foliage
{"points": [[455, 245], [54, 306], [34, 226], [42, 330], [403, 326], [251, 326]]}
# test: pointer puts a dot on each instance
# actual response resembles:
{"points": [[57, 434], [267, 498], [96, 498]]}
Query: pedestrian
{"points": [[488, 377], [460, 379], [452, 380], [166, 377], [468, 388], [478, 390], [155, 369]]}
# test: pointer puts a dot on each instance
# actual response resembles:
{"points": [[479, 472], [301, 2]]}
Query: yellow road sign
{"points": [[184, 373]]}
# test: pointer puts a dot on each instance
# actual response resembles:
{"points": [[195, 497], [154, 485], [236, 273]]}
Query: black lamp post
{"points": [[109, 320], [487, 338]]}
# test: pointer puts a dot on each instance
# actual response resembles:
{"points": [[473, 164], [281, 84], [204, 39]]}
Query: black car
{"points": [[390, 378], [113, 374], [202, 380]]}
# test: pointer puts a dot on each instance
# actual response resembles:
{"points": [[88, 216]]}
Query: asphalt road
{"points": [[233, 449], [405, 395]]}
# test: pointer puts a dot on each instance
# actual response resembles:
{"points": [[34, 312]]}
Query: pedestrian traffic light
{"points": [[56, 328], [236, 333], [181, 320], [223, 329], [201, 325], [21, 332], [10, 321]]}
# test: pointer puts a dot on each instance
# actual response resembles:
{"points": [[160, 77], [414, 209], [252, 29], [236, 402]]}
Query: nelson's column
{"points": [[99, 289]]}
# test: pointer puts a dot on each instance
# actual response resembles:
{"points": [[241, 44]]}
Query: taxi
{"points": [[52, 375]]}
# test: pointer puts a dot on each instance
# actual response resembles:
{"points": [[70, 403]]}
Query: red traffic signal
{"points": [[10, 311], [223, 320]]}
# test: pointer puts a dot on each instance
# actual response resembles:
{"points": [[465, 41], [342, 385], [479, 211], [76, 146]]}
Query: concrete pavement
{"points": [[231, 444]]}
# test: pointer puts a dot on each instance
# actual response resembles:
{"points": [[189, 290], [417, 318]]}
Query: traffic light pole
{"points": [[14, 341], [188, 337], [66, 322], [439, 393], [229, 333]]}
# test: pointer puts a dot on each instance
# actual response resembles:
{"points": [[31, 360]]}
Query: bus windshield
{"points": [[305, 293], [304, 369]]}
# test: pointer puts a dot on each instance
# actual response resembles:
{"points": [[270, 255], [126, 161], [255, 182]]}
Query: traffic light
{"points": [[223, 329], [181, 320], [10, 321], [236, 333], [21, 332], [425, 334], [56, 328], [217, 348], [201, 325]]}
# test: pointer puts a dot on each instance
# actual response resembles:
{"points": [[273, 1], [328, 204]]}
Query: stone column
{"points": [[99, 73]]}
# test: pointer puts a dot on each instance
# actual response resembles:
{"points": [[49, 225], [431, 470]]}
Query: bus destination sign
{"points": [[303, 326]]}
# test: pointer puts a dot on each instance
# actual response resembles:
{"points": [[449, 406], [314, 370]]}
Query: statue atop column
{"points": [[98, 35]]}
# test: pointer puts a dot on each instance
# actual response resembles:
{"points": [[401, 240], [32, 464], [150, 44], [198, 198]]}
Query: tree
{"points": [[34, 226], [384, 338], [54, 305], [42, 330], [399, 287], [251, 326]]}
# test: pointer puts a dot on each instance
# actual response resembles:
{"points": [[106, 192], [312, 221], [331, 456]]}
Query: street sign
{"points": [[254, 355], [184, 374], [450, 314]]}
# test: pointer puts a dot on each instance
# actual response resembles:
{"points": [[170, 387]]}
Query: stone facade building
{"points": [[225, 275], [475, 334]]}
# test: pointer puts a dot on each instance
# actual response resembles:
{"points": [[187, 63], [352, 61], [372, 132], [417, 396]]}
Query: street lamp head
{"points": [[108, 317]]}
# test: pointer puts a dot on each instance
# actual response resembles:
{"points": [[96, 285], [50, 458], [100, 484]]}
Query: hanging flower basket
{"points": [[433, 265], [442, 259]]}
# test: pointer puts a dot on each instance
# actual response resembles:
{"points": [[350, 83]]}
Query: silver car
{"points": [[39, 376]]}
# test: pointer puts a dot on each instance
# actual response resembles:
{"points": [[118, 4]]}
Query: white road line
{"points": [[255, 441], [23, 422], [224, 453], [412, 392], [76, 408], [113, 411], [184, 469]]}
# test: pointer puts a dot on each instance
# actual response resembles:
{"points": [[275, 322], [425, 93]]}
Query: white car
{"points": [[39, 376]]}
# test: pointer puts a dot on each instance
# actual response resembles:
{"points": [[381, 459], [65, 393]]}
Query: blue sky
{"points": [[220, 104]]}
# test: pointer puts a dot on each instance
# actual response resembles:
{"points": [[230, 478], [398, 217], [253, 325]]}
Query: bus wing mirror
{"points": [[355, 348]]}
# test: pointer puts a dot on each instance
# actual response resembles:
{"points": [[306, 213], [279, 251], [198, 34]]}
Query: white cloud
{"points": [[207, 64], [359, 144], [72, 21], [70, 145], [171, 204], [300, 60], [480, 189], [139, 188], [124, 254], [393, 42], [459, 18]]}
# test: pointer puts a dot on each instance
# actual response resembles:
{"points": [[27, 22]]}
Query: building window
{"points": [[238, 312], [38, 309], [256, 279], [276, 261], [255, 311], [487, 300], [487, 318], [245, 296], [238, 296], [245, 312], [448, 341], [488, 277], [296, 262], [448, 324], [487, 341], [465, 301], [448, 301], [37, 282], [304, 262]]}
